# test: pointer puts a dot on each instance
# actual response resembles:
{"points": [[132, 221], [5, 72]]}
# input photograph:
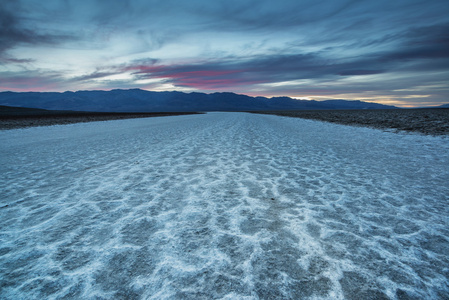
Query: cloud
{"points": [[286, 67], [359, 72], [94, 75], [31, 81], [416, 49], [13, 33], [230, 71], [256, 46], [234, 15], [8, 59]]}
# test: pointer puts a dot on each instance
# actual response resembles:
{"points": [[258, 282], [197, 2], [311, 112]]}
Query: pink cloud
{"points": [[28, 84], [198, 79]]}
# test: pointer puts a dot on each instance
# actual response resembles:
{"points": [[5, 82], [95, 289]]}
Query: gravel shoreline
{"points": [[22, 118], [427, 121]]}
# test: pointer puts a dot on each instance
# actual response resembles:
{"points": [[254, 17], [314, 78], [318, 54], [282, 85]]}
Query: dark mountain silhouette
{"points": [[137, 100]]}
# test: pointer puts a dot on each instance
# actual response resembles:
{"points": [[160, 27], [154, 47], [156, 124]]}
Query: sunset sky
{"points": [[386, 51]]}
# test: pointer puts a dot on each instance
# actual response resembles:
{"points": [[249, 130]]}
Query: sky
{"points": [[386, 51]]}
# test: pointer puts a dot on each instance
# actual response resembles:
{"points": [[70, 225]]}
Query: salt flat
{"points": [[222, 205]]}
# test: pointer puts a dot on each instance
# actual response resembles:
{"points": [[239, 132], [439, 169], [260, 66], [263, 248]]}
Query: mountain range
{"points": [[137, 100]]}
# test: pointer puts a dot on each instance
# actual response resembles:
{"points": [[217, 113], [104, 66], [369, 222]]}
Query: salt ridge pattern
{"points": [[222, 206]]}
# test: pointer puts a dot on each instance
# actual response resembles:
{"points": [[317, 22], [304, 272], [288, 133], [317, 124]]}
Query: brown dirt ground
{"points": [[426, 121], [11, 118]]}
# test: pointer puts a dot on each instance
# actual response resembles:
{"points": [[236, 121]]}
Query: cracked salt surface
{"points": [[222, 205]]}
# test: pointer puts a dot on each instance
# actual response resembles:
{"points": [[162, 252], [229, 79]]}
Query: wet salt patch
{"points": [[220, 206]]}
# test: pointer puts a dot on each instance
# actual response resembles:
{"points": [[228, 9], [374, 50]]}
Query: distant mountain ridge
{"points": [[137, 100]]}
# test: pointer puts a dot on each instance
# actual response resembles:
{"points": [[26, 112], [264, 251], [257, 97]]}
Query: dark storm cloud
{"points": [[10, 31], [359, 72], [251, 70], [94, 75], [411, 47], [14, 33], [6, 59], [417, 50], [102, 73]]}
